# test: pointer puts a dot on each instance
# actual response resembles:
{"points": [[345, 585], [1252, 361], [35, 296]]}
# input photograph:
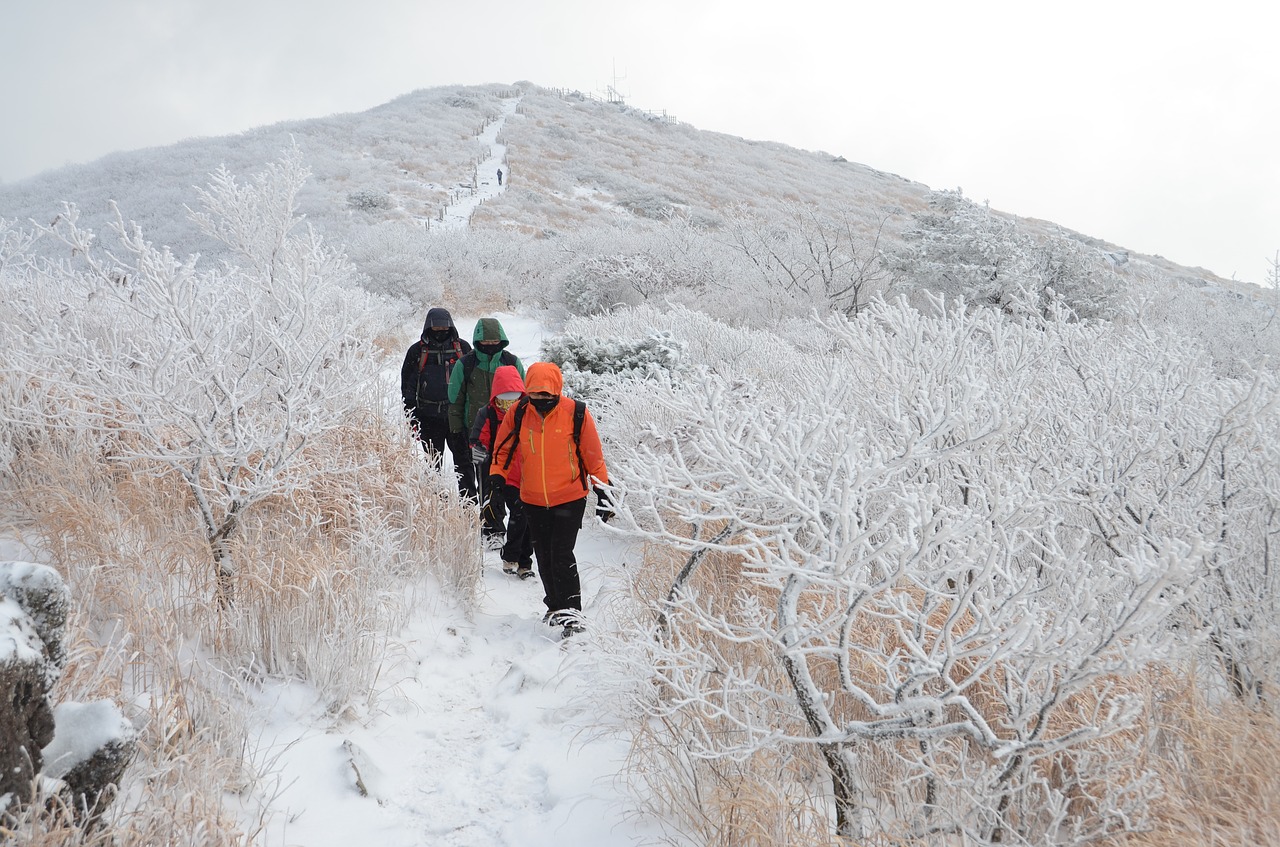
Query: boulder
{"points": [[84, 747], [26, 719], [34, 602], [92, 745]]}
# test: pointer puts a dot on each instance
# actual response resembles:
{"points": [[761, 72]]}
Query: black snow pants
{"points": [[554, 530], [435, 436]]}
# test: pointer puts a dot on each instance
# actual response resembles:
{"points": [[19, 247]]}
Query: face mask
{"points": [[489, 347], [544, 406], [439, 336]]}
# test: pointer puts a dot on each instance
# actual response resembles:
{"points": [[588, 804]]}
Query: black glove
{"points": [[496, 482], [604, 510]]}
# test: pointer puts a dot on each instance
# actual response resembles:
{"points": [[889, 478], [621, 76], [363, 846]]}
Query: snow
{"points": [[487, 732], [33, 603], [80, 730], [487, 736], [19, 642]]}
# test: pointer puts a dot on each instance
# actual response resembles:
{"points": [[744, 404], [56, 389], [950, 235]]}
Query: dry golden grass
{"points": [[320, 588], [478, 300], [1219, 767], [390, 345], [763, 801]]}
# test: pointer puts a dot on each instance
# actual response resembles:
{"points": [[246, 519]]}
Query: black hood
{"points": [[439, 317]]}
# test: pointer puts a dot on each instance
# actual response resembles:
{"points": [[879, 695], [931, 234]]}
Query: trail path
{"points": [[468, 195], [485, 736]]}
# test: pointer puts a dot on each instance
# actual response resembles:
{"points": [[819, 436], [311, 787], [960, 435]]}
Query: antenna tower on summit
{"points": [[615, 96]]}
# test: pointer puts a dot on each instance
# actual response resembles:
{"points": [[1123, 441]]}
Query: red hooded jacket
{"points": [[505, 379]]}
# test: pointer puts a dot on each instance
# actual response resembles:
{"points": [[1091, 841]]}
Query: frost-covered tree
{"points": [[583, 360], [961, 249], [655, 263], [220, 376], [1192, 455], [816, 258], [600, 282], [395, 259], [1273, 281], [924, 593]]}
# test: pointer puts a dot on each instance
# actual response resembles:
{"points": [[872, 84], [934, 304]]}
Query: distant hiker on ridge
{"points": [[424, 388], [499, 176]]}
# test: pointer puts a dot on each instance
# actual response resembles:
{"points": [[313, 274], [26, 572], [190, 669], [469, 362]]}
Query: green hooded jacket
{"points": [[472, 377]]}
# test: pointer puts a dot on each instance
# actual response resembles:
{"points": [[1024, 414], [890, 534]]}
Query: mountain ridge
{"points": [[573, 161]]}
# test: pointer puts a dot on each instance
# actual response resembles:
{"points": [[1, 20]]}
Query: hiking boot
{"points": [[524, 572], [510, 567], [571, 620], [494, 541]]}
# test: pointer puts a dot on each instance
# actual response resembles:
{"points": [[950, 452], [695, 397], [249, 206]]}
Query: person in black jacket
{"points": [[424, 388]]}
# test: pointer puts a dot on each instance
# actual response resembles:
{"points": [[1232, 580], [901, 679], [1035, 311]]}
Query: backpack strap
{"points": [[426, 351], [579, 415]]}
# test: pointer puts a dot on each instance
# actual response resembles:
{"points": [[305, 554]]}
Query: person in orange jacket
{"points": [[556, 475]]}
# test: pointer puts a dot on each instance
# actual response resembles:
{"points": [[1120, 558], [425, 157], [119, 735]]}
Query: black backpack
{"points": [[458, 355], [579, 415]]}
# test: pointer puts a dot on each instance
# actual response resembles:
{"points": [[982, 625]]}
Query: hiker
{"points": [[504, 499], [470, 388], [499, 176], [424, 388], [557, 472]]}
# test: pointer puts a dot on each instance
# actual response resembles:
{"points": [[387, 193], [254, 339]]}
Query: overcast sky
{"points": [[1155, 125]]}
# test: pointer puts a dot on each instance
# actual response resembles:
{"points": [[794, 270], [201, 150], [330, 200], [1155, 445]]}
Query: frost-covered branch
{"points": [[224, 376], [901, 565]]}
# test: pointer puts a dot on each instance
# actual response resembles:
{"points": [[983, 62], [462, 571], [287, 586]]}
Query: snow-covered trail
{"points": [[485, 735], [468, 196]]}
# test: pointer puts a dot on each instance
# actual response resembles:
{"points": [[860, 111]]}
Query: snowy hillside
{"points": [[593, 188], [574, 162]]}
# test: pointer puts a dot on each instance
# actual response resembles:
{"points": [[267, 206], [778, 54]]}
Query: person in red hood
{"points": [[503, 505], [556, 475]]}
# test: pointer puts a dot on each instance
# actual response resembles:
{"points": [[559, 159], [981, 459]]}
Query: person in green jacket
{"points": [[469, 392]]}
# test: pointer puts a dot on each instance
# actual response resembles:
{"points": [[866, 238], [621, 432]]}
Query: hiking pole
{"points": [[475, 469]]}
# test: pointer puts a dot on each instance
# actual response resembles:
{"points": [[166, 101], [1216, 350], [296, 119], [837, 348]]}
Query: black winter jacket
{"points": [[424, 376]]}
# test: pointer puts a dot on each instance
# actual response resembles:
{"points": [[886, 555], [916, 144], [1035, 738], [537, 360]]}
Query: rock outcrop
{"points": [[34, 603], [83, 747]]}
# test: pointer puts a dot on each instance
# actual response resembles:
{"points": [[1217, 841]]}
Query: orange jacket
{"points": [[549, 472]]}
